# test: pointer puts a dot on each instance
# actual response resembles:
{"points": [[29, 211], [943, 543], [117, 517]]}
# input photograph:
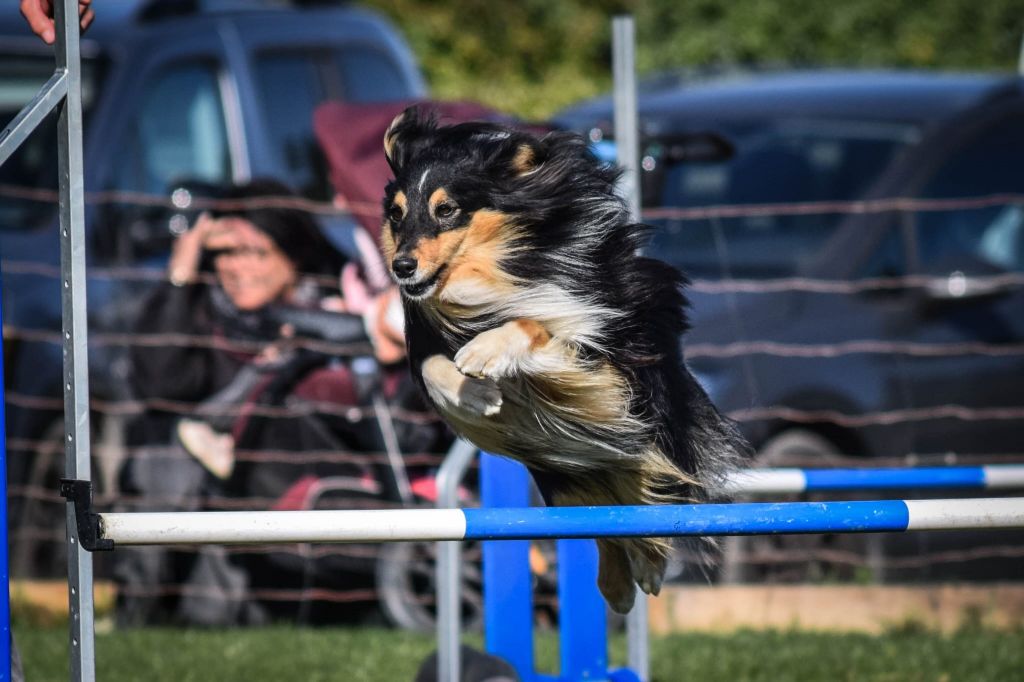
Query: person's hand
{"points": [[39, 15], [207, 233], [354, 292]]}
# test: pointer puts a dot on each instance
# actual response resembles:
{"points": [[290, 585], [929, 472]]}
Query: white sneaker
{"points": [[215, 451]]}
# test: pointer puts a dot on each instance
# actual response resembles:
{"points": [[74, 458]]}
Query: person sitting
{"points": [[248, 323], [269, 265]]}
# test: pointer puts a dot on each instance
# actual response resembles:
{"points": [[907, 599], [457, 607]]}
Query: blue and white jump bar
{"points": [[397, 525], [778, 481]]}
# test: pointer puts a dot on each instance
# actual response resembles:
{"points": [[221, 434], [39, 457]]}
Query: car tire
{"points": [[792, 447]]}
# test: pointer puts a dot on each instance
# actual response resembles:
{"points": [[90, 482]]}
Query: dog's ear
{"points": [[405, 128], [527, 156], [510, 151]]}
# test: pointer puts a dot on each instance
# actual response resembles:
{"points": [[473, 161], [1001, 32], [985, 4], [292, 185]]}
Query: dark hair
{"points": [[273, 209]]}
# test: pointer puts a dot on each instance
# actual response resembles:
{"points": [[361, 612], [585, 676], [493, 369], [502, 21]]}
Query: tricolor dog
{"points": [[539, 333]]}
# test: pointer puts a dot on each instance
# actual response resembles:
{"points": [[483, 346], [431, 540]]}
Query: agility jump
{"points": [[401, 525]]}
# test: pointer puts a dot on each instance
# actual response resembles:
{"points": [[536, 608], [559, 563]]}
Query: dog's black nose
{"points": [[404, 266]]}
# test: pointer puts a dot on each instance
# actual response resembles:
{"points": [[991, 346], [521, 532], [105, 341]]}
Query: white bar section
{"points": [[376, 525], [767, 481], [1004, 476], [991, 512]]}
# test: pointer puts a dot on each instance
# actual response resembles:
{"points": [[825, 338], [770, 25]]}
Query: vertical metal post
{"points": [[1020, 58], [626, 122], [73, 303], [5, 596], [627, 146], [448, 568]]}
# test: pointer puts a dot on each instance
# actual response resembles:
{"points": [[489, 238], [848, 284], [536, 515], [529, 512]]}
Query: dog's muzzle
{"points": [[404, 267], [411, 281]]}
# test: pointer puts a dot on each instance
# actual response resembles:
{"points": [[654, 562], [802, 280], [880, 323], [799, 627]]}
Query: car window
{"points": [[370, 76], [976, 240], [178, 132], [291, 85], [780, 163], [34, 165]]}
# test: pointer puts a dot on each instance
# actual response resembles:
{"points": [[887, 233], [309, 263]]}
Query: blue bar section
{"points": [[581, 612], [695, 519], [508, 597], [5, 577], [924, 477]]}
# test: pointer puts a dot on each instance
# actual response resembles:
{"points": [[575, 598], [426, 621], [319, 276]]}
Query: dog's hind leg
{"points": [[614, 575], [648, 559]]}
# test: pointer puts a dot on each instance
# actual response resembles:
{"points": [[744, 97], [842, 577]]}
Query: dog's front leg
{"points": [[513, 348], [448, 387]]}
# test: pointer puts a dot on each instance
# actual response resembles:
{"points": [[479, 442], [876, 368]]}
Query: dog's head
{"points": [[445, 220]]}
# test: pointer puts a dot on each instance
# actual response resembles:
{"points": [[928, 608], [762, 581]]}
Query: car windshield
{"points": [[34, 165], [781, 163]]}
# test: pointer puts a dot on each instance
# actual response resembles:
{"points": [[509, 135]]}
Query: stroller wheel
{"points": [[406, 585]]}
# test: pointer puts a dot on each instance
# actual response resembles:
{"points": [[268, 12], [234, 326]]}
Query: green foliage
{"points": [[534, 57]]}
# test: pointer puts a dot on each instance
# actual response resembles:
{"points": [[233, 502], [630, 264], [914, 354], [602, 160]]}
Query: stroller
{"points": [[378, 448]]}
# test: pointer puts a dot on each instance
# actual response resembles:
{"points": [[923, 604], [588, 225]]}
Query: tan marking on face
{"points": [[402, 201], [436, 252], [387, 242], [525, 160], [389, 136], [535, 332], [438, 196], [477, 259]]}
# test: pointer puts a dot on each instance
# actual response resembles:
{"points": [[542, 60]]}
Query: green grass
{"points": [[356, 655]]}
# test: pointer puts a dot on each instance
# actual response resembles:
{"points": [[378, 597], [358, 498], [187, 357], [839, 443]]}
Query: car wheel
{"points": [[793, 558]]}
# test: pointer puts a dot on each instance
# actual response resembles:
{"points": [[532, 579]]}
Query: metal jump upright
{"points": [[63, 93]]}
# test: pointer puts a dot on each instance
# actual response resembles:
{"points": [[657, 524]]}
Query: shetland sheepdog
{"points": [[539, 333]]}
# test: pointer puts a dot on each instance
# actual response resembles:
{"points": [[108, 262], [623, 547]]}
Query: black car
{"points": [[173, 92], [856, 245]]}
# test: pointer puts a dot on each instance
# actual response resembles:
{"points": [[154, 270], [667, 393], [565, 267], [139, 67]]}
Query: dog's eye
{"points": [[395, 213], [444, 211]]}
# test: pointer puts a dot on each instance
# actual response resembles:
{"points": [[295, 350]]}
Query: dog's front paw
{"points": [[447, 386], [495, 353], [480, 396]]}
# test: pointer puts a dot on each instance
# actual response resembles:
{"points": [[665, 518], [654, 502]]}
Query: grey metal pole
{"points": [[626, 129], [627, 149], [73, 303], [48, 98], [1020, 58], [448, 568]]}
